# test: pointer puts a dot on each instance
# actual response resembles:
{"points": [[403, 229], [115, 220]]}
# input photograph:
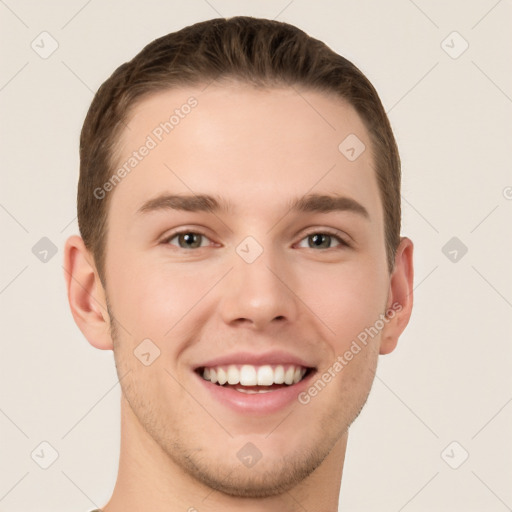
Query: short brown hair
{"points": [[259, 52]]}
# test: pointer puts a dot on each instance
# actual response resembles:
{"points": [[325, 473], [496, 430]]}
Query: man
{"points": [[240, 252]]}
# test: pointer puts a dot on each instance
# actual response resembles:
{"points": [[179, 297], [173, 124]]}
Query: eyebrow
{"points": [[203, 202]]}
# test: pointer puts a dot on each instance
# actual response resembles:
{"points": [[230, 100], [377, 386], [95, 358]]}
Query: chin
{"points": [[271, 475]]}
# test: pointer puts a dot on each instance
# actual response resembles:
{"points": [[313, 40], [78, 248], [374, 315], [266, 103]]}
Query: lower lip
{"points": [[257, 403]]}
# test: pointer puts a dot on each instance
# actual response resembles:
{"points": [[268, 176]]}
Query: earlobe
{"points": [[400, 297], [85, 294]]}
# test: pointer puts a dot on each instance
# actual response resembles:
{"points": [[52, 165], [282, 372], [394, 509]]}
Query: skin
{"points": [[258, 149]]}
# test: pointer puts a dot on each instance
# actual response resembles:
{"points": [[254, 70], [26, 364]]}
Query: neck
{"points": [[148, 479]]}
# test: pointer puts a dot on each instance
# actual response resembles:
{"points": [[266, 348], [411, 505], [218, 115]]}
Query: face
{"points": [[263, 281]]}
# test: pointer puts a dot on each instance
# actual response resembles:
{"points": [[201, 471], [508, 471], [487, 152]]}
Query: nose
{"points": [[258, 294]]}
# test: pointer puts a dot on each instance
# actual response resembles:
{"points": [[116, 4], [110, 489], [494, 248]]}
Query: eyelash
{"points": [[343, 243]]}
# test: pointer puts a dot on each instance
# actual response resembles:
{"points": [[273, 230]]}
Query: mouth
{"points": [[255, 379]]}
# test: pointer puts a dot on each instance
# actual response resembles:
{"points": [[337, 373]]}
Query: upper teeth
{"points": [[249, 375]]}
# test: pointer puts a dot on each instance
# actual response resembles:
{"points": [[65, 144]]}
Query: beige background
{"points": [[449, 380]]}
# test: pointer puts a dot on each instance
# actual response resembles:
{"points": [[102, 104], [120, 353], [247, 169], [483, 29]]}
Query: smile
{"points": [[261, 383], [252, 379]]}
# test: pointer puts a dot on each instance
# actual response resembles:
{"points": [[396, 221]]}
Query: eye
{"points": [[187, 239], [323, 239]]}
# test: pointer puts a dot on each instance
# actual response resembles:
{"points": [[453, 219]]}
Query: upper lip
{"points": [[274, 357]]}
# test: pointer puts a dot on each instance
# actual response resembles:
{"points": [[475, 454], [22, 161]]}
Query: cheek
{"points": [[150, 298], [346, 299]]}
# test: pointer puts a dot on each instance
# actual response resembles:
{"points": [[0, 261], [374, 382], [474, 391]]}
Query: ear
{"points": [[400, 296], [86, 295]]}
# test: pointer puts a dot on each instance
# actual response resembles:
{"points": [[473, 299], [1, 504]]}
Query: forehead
{"points": [[253, 147]]}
